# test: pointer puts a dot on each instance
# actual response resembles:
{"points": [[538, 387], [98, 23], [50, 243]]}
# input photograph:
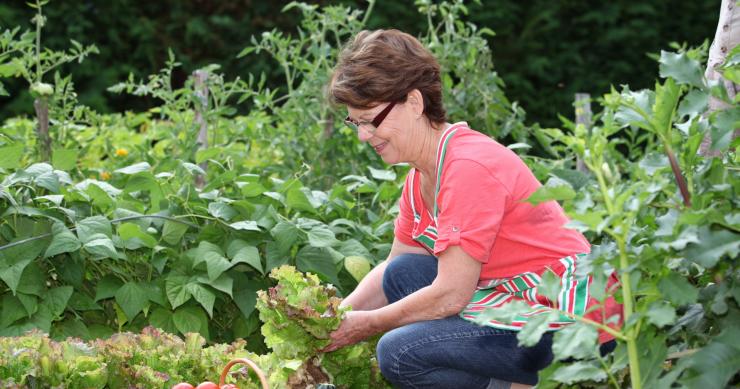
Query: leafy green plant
{"points": [[676, 259]]}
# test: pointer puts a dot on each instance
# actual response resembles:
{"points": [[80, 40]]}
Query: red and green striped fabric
{"points": [[573, 297]]}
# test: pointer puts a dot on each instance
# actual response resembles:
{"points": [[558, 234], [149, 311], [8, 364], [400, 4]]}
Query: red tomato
{"points": [[207, 385], [183, 385], [229, 386]]}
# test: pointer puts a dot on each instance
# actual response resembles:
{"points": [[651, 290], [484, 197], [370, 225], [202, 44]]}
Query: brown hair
{"points": [[385, 65]]}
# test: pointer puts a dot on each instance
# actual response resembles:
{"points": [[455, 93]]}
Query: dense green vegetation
{"points": [[545, 51], [118, 221]]}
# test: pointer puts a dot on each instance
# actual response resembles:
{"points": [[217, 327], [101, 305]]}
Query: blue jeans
{"points": [[450, 352]]}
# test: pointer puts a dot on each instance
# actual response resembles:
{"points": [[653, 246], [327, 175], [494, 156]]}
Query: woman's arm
{"points": [[449, 294], [369, 293]]}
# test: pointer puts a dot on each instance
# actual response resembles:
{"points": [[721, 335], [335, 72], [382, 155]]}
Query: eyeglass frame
{"points": [[376, 122]]}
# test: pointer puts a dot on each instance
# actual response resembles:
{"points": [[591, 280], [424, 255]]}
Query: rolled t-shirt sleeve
{"points": [[471, 205], [404, 224]]}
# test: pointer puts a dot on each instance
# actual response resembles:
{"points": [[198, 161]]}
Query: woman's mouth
{"points": [[379, 148]]}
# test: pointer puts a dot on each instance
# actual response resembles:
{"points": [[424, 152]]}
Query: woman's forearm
{"points": [[429, 303]]}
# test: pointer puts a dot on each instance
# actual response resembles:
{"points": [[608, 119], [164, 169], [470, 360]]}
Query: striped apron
{"points": [[573, 297]]}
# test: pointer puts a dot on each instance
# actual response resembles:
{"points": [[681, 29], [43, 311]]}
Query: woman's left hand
{"points": [[355, 327]]}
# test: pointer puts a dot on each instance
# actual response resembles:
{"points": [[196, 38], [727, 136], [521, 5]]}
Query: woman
{"points": [[464, 240]]}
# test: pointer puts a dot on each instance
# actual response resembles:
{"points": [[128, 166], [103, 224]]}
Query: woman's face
{"points": [[392, 139]]}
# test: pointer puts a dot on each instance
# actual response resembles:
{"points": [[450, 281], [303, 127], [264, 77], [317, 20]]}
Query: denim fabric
{"points": [[450, 352]]}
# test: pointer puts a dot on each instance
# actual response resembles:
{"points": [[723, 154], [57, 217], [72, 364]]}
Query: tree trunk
{"points": [[726, 38]]}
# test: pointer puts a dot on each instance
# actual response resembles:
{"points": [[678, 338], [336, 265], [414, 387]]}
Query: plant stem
{"points": [[677, 173], [634, 359]]}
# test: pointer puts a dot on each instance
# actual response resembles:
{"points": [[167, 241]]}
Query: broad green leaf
{"points": [[252, 189], [90, 226], [380, 174], [175, 287], [246, 225], [357, 266], [191, 319], [713, 245], [317, 260], [15, 261], [724, 124], [215, 264], [241, 252], [56, 299], [205, 297], [285, 234], [661, 314], [134, 237], [575, 341], [351, 247], [321, 236], [30, 302], [547, 193], [64, 159], [48, 181], [163, 319], [132, 298], [33, 280], [12, 310], [204, 247], [82, 302], [173, 232], [107, 287], [693, 104], [11, 156], [715, 364], [99, 197], [221, 211], [676, 289], [224, 283], [579, 371], [681, 68], [275, 256], [296, 199], [101, 247], [64, 241], [245, 298], [135, 168]]}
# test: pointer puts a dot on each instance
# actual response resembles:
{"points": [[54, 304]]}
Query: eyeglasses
{"points": [[373, 125]]}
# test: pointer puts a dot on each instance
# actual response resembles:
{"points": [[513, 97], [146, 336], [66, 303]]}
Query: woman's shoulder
{"points": [[472, 145]]}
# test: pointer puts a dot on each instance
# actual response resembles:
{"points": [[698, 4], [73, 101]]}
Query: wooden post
{"points": [[201, 92], [583, 117], [41, 105]]}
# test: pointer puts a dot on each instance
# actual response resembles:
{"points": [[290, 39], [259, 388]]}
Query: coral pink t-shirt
{"points": [[481, 188]]}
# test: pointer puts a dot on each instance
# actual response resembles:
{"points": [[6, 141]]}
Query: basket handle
{"points": [[260, 373]]}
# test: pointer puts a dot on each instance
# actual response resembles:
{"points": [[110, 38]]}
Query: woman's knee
{"points": [[390, 349], [408, 273]]}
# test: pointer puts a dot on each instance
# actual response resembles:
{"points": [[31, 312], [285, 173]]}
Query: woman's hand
{"points": [[355, 327]]}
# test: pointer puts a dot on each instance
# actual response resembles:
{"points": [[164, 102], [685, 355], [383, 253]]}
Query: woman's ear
{"points": [[416, 101]]}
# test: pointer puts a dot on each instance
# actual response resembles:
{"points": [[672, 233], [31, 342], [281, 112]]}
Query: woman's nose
{"points": [[363, 134]]}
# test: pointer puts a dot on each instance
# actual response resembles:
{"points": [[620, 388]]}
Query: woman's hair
{"points": [[385, 65]]}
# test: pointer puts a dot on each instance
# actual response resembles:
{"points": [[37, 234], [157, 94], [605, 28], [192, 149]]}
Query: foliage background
{"points": [[545, 51]]}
